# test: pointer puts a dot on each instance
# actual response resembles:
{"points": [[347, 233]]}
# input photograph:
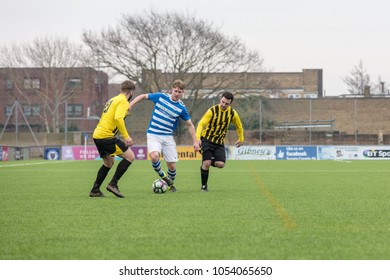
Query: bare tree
{"points": [[142, 46], [357, 79], [58, 61]]}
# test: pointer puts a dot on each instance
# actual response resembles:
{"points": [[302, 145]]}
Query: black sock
{"points": [[101, 175], [120, 170], [204, 174]]}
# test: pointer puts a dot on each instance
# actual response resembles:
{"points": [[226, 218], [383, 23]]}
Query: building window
{"points": [[74, 110], [36, 109], [74, 84], [9, 84], [8, 110], [294, 95], [27, 110], [31, 110], [32, 83]]}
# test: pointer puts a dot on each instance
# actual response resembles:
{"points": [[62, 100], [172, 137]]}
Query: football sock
{"points": [[204, 174], [172, 174], [120, 170], [95, 187], [157, 168], [101, 175]]}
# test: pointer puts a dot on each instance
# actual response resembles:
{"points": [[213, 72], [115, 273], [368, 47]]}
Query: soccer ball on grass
{"points": [[159, 186]]}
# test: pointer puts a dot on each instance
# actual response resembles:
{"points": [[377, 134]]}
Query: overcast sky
{"points": [[333, 35]]}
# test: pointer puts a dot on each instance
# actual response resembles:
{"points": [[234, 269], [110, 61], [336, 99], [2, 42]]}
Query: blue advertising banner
{"points": [[296, 152], [52, 153]]}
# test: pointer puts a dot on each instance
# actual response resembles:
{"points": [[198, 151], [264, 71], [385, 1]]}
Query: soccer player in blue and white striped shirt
{"points": [[168, 108]]}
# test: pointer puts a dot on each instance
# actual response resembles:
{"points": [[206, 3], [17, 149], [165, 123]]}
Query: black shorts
{"points": [[110, 146], [212, 151]]}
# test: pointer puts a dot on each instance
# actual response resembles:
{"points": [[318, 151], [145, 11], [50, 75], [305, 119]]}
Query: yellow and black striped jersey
{"points": [[215, 123], [113, 117]]}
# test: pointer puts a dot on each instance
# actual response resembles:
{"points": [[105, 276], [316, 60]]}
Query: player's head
{"points": [[128, 88], [228, 95], [177, 90], [226, 100], [178, 84]]}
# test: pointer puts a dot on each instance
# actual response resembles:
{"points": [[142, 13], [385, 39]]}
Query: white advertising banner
{"points": [[353, 152], [338, 152], [253, 152]]}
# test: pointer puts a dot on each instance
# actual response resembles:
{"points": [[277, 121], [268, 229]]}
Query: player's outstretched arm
{"points": [[138, 99]]}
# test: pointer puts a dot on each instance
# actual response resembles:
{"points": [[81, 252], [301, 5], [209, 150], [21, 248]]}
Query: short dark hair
{"points": [[127, 86], [228, 95]]}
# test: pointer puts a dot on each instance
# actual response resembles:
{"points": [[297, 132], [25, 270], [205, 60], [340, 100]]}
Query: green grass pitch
{"points": [[254, 210]]}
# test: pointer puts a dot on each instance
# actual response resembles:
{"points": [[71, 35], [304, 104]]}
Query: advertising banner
{"points": [[52, 153], [184, 153], [296, 152], [374, 152], [338, 152], [91, 153], [187, 152], [353, 152], [4, 153], [140, 152], [253, 153], [79, 152]]}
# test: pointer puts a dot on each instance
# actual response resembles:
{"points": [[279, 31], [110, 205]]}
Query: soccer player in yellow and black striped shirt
{"points": [[211, 133], [111, 122]]}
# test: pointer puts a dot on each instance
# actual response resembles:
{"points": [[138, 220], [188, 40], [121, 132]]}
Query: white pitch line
{"points": [[31, 163], [342, 161]]}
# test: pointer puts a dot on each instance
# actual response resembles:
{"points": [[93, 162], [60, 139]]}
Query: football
{"points": [[159, 186]]}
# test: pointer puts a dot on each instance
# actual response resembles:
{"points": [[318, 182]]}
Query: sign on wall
{"points": [[91, 152], [353, 152], [3, 153], [253, 152], [296, 152], [338, 152], [52, 153], [79, 152], [140, 152]]}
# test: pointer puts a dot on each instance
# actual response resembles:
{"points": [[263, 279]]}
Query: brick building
{"points": [[37, 96], [89, 90], [305, 84]]}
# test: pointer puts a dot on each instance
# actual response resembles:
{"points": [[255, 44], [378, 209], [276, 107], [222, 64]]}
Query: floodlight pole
{"points": [[260, 122], [310, 121], [66, 122], [355, 124], [6, 122], [17, 125]]}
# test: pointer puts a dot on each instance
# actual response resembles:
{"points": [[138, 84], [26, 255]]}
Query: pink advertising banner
{"points": [[3, 153], [91, 153], [79, 152]]}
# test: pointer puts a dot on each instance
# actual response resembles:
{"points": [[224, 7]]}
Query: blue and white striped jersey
{"points": [[166, 114]]}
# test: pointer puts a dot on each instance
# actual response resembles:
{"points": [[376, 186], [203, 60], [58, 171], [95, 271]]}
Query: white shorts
{"points": [[164, 144]]}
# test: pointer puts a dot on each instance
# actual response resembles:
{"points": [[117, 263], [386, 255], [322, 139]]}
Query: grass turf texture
{"points": [[275, 210]]}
